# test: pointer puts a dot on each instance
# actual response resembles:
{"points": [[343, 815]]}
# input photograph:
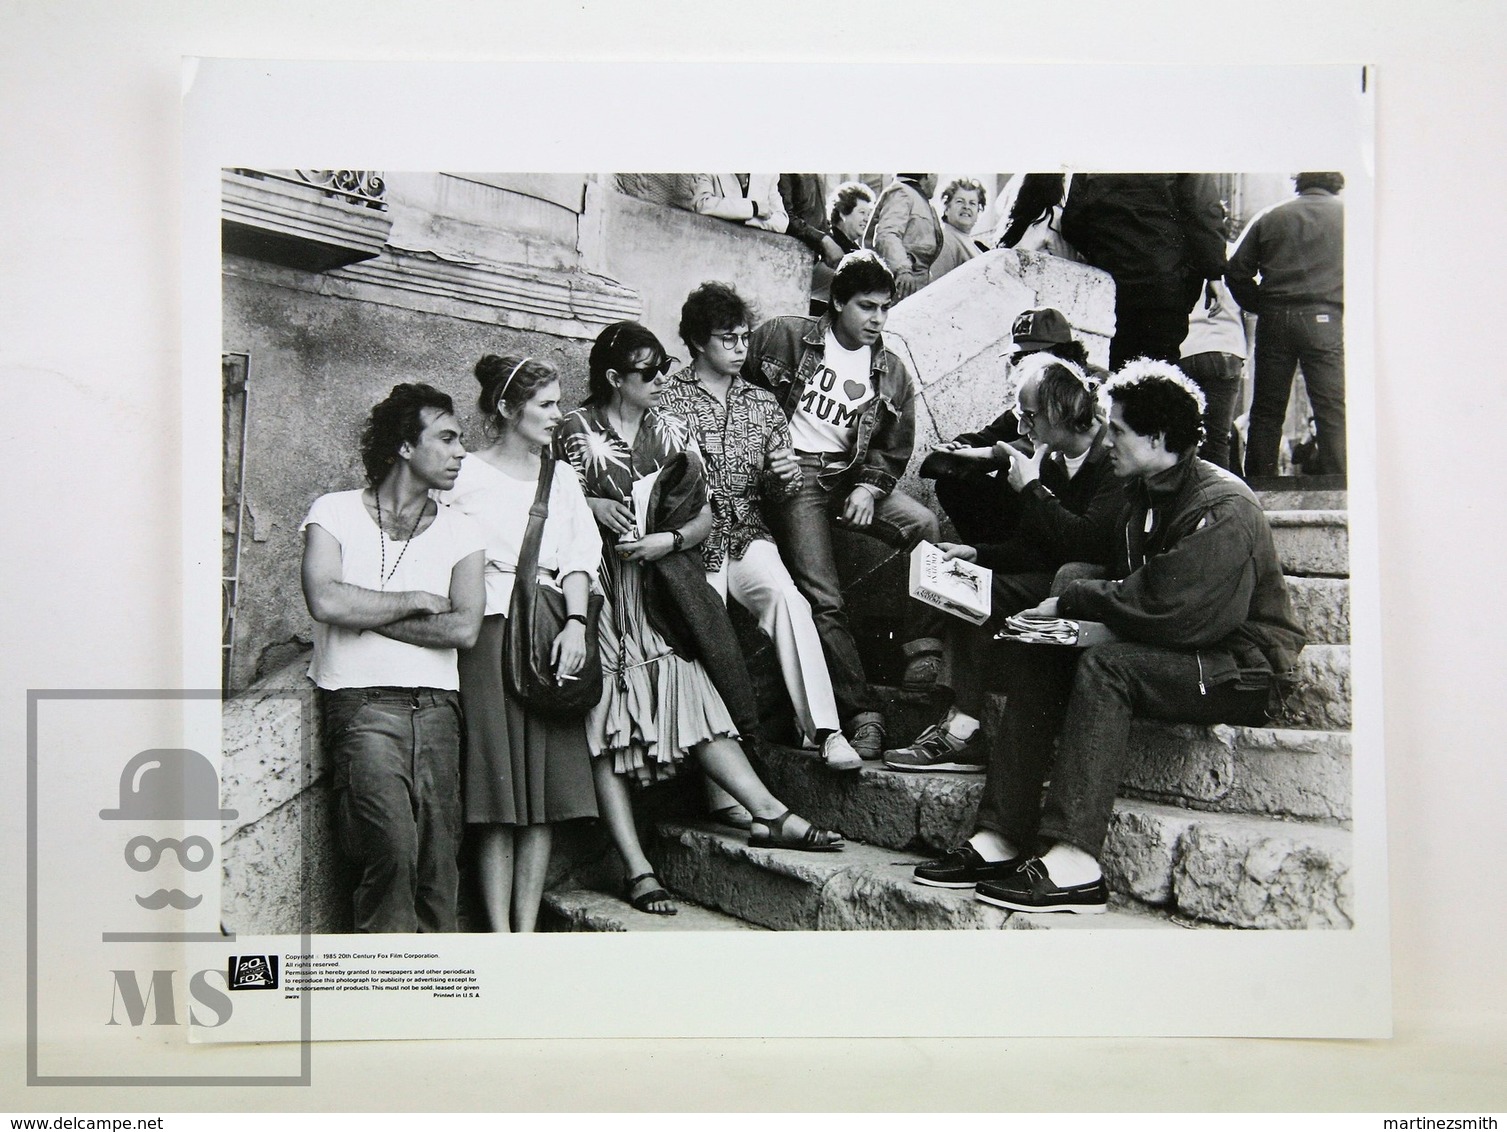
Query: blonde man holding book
{"points": [[1068, 499]]}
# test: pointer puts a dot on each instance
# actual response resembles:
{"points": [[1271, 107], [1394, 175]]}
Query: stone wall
{"points": [[664, 253]]}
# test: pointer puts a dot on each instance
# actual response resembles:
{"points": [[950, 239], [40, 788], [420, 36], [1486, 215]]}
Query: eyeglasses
{"points": [[1024, 415], [731, 341], [655, 371]]}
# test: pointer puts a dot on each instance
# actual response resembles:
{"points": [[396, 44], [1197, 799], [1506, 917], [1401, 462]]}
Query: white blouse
{"points": [[499, 504]]}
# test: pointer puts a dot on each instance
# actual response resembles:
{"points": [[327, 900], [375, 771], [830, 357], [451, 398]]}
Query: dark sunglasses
{"points": [[657, 370]]}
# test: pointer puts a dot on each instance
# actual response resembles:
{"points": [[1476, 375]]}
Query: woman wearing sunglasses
{"points": [[657, 703]]}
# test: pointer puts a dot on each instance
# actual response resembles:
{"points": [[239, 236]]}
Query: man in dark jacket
{"points": [[1298, 250], [1160, 235], [1207, 633]]}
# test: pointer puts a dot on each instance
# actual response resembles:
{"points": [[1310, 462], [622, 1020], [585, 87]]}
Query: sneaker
{"points": [[838, 754], [1030, 889], [868, 735], [935, 749], [964, 868], [922, 672]]}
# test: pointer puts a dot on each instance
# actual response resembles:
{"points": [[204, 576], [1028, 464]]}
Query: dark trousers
{"points": [[969, 646], [802, 524], [1148, 332], [1312, 335], [396, 759], [1088, 697], [1218, 375], [983, 509]]}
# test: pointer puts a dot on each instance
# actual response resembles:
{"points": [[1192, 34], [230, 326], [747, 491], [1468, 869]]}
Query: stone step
{"points": [[1265, 772], [1233, 869], [1312, 542], [863, 887], [583, 910], [1321, 700], [1323, 608]]}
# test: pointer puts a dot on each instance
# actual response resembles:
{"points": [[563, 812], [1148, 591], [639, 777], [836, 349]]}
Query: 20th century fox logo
{"points": [[155, 896]]}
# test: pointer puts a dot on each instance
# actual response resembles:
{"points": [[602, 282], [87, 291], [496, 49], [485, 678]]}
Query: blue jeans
{"points": [[396, 757], [1313, 335], [1088, 696], [802, 525], [1218, 375]]}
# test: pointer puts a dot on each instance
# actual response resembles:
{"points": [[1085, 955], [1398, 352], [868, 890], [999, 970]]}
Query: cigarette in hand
{"points": [[568, 677]]}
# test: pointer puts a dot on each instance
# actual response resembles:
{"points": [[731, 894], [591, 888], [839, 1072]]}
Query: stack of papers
{"points": [[1035, 629]]}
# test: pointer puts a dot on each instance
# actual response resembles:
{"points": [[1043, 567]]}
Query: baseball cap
{"points": [[1037, 330]]}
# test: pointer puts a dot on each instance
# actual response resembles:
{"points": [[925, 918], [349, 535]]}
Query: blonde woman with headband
{"points": [[523, 774]]}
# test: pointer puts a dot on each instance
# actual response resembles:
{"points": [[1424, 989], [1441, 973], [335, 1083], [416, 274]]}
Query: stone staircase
{"points": [[1231, 827]]}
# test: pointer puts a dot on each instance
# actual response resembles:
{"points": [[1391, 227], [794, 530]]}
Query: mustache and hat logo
{"points": [[173, 784]]}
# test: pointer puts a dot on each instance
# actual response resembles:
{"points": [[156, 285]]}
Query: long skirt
{"points": [[655, 705], [518, 769]]}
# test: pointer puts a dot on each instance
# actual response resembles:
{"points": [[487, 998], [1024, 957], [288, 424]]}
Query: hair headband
{"points": [[503, 392]]}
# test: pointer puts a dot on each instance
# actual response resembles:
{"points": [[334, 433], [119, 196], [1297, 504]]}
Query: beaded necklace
{"points": [[382, 539]]}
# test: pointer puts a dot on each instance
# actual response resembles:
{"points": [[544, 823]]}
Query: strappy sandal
{"points": [[814, 840], [655, 895], [735, 815]]}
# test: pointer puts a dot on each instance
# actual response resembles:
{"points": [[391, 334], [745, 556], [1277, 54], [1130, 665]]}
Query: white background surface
{"points": [[89, 349]]}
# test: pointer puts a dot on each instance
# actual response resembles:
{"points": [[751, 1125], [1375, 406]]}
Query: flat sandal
{"points": [[656, 894], [814, 840]]}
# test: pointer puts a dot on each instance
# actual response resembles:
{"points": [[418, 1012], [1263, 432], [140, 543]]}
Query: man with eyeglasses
{"points": [[1067, 500], [852, 419], [745, 442], [1206, 634]]}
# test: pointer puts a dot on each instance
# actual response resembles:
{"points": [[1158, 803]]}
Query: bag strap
{"points": [[528, 553]]}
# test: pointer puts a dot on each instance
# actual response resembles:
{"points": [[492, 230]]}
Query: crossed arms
{"points": [[415, 617]]}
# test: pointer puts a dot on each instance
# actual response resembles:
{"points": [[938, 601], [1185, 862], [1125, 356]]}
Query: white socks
{"points": [[1068, 865], [991, 846], [961, 726]]}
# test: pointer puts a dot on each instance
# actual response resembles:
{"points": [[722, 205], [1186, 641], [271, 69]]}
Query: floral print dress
{"points": [[655, 704]]}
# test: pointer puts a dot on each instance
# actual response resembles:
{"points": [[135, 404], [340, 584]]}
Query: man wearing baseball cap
{"points": [[977, 495]]}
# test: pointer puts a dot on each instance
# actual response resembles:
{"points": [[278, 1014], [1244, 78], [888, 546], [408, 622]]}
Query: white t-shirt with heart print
{"points": [[826, 417]]}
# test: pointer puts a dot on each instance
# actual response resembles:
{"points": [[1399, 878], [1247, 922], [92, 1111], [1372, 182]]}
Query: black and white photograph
{"points": [[765, 396]]}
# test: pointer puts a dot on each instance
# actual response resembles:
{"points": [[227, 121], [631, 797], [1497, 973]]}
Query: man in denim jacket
{"points": [[852, 421]]}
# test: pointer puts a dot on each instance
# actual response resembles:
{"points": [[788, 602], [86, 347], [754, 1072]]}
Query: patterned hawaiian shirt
{"points": [[606, 464], [735, 442]]}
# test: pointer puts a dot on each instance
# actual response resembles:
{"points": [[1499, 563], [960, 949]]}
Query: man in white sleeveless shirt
{"points": [[393, 581]]}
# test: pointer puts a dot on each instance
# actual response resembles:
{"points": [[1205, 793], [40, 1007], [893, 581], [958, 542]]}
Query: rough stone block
{"points": [[1321, 699], [1254, 874], [948, 806], [1289, 773], [1312, 542], [967, 312], [965, 400], [887, 899], [1323, 608], [262, 744], [720, 872], [271, 863], [1084, 294], [582, 910], [1141, 850], [1304, 500], [873, 806]]}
